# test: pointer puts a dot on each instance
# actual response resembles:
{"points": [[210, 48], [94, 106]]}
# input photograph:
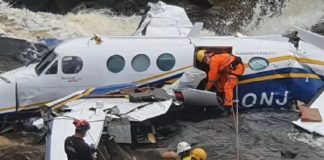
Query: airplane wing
{"points": [[164, 20], [98, 111]]}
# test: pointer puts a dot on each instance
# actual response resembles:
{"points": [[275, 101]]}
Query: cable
{"points": [[236, 123], [88, 132]]}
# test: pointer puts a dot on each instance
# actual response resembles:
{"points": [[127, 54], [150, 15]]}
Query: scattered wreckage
{"points": [[124, 112], [312, 115]]}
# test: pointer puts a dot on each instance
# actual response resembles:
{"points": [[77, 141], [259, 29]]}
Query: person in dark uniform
{"points": [[75, 147]]}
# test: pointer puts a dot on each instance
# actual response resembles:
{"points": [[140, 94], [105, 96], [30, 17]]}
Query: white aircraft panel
{"points": [[7, 97], [150, 111], [316, 127], [63, 127]]}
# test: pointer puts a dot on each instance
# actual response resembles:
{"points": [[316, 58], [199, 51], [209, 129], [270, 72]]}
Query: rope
{"points": [[236, 123]]}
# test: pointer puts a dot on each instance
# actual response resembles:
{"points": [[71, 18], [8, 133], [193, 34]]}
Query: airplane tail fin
{"points": [[195, 30]]}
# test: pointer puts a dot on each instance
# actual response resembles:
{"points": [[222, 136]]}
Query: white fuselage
{"points": [[81, 63]]}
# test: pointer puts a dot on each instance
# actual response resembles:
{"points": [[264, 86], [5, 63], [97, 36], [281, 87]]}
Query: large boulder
{"points": [[54, 6], [319, 28], [16, 52]]}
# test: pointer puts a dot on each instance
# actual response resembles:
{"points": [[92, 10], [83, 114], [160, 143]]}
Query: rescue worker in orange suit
{"points": [[224, 70], [75, 147]]}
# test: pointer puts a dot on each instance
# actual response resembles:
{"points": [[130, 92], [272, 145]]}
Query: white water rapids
{"points": [[28, 25], [300, 13]]}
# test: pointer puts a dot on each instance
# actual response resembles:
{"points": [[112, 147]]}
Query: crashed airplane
{"points": [[279, 69]]}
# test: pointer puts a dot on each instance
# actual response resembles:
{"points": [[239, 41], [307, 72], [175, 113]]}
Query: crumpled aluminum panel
{"points": [[195, 97]]}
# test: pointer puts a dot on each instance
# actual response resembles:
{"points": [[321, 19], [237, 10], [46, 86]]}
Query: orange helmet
{"points": [[82, 125]]}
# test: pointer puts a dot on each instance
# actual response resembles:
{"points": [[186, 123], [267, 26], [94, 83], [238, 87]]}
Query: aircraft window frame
{"points": [[75, 69], [139, 64], [115, 65], [258, 63], [166, 67], [55, 64], [46, 60]]}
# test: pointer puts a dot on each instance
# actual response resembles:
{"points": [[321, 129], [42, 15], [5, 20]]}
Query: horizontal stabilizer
{"points": [[162, 20], [310, 37]]}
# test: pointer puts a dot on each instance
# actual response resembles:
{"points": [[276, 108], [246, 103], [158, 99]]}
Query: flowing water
{"points": [[28, 25], [300, 13], [265, 134]]}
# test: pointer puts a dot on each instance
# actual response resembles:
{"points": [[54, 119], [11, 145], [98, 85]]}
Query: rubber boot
{"points": [[227, 111]]}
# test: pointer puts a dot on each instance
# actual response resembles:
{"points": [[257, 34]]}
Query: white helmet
{"points": [[183, 146]]}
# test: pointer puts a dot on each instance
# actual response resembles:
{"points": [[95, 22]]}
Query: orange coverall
{"points": [[223, 76]]}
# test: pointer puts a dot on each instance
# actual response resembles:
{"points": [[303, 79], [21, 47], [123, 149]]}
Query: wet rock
{"points": [[318, 28], [288, 154], [259, 139], [20, 146], [204, 3], [16, 52], [54, 6], [18, 152], [10, 46]]}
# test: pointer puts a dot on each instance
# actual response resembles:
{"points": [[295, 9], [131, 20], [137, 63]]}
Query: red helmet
{"points": [[81, 124]]}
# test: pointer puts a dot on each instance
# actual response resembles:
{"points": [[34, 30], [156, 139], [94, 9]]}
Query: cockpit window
{"points": [[46, 60], [52, 69], [71, 64]]}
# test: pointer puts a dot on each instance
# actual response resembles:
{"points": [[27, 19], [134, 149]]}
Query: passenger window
{"points": [[141, 62], [71, 64], [165, 61], [115, 63], [52, 69], [258, 63]]}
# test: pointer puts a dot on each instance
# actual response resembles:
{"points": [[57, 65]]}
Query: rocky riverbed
{"points": [[264, 134]]}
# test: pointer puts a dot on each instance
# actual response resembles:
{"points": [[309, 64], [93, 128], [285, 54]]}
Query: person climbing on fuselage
{"points": [[224, 70]]}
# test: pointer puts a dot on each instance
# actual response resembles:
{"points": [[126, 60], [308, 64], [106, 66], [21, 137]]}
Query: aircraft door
{"points": [[215, 49], [54, 85], [7, 97]]}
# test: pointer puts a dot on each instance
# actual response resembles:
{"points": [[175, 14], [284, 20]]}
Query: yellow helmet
{"points": [[199, 154], [200, 55]]}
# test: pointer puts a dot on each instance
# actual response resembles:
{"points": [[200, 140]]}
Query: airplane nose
{"points": [[7, 97]]}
